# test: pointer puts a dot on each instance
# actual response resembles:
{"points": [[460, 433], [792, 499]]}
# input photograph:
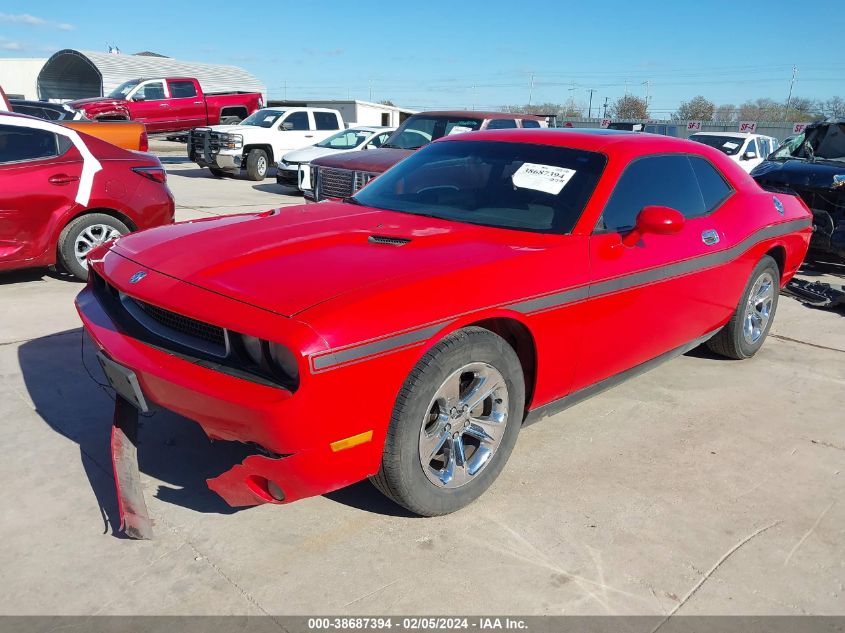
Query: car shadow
{"points": [[202, 172], [36, 274], [66, 384], [274, 187]]}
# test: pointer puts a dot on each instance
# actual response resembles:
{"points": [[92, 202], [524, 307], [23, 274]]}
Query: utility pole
{"points": [[647, 84], [473, 96], [530, 88], [605, 108], [286, 89], [590, 106], [371, 89], [791, 84]]}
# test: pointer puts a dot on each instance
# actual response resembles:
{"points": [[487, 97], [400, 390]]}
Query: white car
{"points": [[749, 150], [260, 140], [292, 169]]}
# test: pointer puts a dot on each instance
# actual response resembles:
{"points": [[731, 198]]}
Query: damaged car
{"points": [[812, 165], [408, 332]]}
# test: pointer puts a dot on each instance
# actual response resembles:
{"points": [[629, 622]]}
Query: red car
{"points": [[408, 333], [63, 192]]}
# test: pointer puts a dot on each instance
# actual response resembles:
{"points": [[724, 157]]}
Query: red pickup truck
{"points": [[170, 104]]}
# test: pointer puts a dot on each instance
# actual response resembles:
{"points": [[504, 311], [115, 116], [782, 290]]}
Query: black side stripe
{"points": [[563, 297]]}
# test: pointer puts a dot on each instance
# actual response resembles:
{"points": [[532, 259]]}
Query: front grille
{"points": [[184, 325], [336, 183], [203, 143]]}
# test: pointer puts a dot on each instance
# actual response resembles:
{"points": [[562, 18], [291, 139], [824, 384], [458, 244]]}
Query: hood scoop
{"points": [[388, 240]]}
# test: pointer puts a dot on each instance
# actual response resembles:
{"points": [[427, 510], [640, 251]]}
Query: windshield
{"points": [[124, 89], [262, 118], [821, 142], [506, 185], [421, 130], [346, 139], [729, 145]]}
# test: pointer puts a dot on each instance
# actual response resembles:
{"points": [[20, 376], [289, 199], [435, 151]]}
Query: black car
{"points": [[812, 165], [46, 110]]}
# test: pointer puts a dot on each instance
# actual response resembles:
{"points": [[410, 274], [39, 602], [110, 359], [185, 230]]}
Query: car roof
{"points": [[39, 104], [730, 134], [589, 139], [478, 114]]}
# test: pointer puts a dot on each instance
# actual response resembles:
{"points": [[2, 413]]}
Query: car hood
{"points": [[797, 172], [376, 160], [288, 260], [79, 103], [307, 154]]}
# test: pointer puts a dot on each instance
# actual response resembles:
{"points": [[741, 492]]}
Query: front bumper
{"points": [[296, 430]]}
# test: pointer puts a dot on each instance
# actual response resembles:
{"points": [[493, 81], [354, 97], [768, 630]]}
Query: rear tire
{"points": [[441, 453], [256, 164], [230, 120], [744, 334], [81, 235]]}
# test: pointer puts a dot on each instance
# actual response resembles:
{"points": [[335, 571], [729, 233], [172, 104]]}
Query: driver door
{"points": [[151, 106], [665, 291]]}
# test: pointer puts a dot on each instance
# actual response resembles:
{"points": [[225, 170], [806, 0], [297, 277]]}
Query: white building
{"points": [[353, 111], [19, 76]]}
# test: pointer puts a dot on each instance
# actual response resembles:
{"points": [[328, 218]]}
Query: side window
{"points": [[501, 124], [752, 147], [654, 180], [326, 121], [151, 91], [299, 121], [21, 143], [379, 140], [182, 89], [530, 123], [714, 188]]}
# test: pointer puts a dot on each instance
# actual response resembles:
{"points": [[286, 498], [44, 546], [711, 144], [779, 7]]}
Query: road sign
{"points": [[693, 126], [748, 126], [798, 128], [605, 122]]}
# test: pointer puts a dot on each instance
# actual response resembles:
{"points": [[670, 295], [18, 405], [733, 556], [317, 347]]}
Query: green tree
{"points": [[696, 109], [629, 107]]}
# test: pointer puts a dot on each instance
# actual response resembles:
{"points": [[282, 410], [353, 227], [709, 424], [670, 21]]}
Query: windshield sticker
{"points": [[270, 117], [458, 129], [546, 178], [730, 145]]}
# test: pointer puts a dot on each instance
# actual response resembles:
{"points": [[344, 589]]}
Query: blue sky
{"points": [[438, 54]]}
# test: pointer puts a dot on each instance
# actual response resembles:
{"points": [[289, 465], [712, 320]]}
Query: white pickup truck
{"points": [[260, 139]]}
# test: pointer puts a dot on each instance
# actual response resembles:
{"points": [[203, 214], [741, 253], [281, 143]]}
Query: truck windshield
{"points": [[519, 186], [124, 89], [729, 145], [421, 130], [346, 139], [262, 118]]}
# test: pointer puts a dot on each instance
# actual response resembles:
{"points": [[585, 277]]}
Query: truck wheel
{"points": [[454, 423], [83, 234], [230, 120], [216, 172], [256, 164], [744, 334]]}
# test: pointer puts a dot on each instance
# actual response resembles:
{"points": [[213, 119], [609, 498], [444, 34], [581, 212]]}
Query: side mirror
{"points": [[749, 155], [139, 98], [287, 126], [657, 220]]}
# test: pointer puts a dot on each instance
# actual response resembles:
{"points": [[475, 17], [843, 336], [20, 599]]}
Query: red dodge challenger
{"points": [[407, 333]]}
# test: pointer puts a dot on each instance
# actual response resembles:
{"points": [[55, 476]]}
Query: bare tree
{"points": [[570, 109], [833, 107], [387, 102], [725, 113], [629, 107], [696, 109]]}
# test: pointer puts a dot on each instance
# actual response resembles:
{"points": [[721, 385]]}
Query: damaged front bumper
{"points": [[297, 432]]}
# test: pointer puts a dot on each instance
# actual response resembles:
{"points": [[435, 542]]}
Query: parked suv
{"points": [[341, 175], [260, 140]]}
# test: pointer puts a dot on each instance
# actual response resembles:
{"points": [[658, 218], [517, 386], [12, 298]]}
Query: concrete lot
{"points": [[642, 500]]}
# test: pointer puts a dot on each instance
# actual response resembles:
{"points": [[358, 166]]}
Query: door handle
{"points": [[197, 102], [62, 179], [309, 136], [710, 237], [163, 105]]}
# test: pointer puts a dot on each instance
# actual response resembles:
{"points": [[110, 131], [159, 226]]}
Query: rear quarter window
{"points": [[530, 123]]}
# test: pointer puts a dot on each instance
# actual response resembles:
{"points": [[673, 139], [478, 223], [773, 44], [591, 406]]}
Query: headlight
{"points": [[231, 141], [272, 360]]}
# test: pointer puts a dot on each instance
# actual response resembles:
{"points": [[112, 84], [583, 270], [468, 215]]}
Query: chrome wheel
{"points": [[261, 165], [758, 310], [90, 237], [464, 425]]}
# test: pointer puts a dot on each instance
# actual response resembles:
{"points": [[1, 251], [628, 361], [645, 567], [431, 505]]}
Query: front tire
{"points": [[454, 424], [81, 235], [256, 164], [744, 334]]}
